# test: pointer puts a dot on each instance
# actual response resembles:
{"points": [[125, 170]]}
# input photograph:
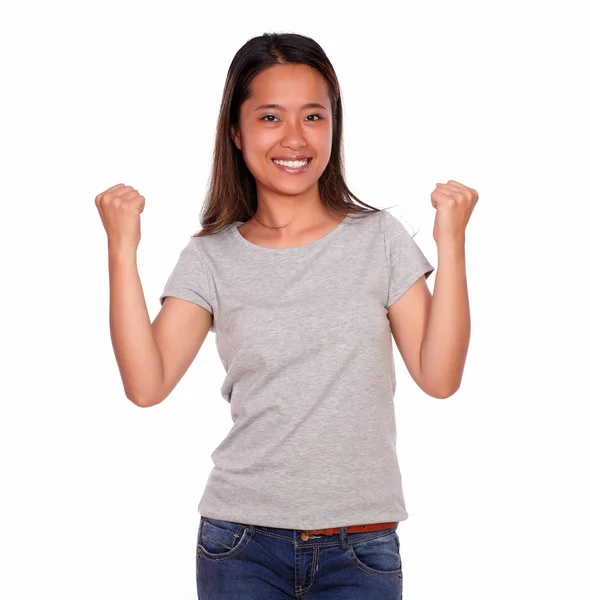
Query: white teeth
{"points": [[291, 164]]}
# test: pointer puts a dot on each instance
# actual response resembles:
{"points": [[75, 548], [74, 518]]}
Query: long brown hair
{"points": [[231, 194]]}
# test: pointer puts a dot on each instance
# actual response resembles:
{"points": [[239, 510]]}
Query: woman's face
{"points": [[301, 124]]}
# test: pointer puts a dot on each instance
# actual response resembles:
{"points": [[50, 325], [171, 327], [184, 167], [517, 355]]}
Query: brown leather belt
{"points": [[311, 533]]}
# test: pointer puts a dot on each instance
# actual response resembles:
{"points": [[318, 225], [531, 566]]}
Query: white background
{"points": [[99, 497]]}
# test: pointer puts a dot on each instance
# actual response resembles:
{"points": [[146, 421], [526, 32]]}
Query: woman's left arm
{"points": [[432, 331]]}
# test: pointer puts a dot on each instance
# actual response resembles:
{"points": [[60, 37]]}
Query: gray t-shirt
{"points": [[305, 341]]}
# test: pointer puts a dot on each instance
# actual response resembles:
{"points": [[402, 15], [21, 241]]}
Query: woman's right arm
{"points": [[152, 358], [136, 351]]}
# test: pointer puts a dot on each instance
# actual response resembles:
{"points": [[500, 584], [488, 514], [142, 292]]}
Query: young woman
{"points": [[304, 290]]}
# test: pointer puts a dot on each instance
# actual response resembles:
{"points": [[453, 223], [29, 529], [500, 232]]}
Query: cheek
{"points": [[323, 145], [254, 159], [257, 147], [260, 141], [322, 140]]}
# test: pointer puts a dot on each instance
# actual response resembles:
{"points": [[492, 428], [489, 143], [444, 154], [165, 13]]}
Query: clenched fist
{"points": [[119, 208]]}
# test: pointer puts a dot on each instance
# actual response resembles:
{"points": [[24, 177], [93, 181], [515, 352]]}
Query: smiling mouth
{"points": [[294, 170]]}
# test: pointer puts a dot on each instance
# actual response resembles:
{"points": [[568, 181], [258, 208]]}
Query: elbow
{"points": [[443, 395], [142, 402], [441, 392], [440, 384], [446, 392], [135, 401]]}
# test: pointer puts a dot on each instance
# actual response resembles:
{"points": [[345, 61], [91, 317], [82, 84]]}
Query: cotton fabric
{"points": [[304, 338]]}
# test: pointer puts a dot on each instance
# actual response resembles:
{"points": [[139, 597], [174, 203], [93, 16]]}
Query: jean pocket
{"points": [[221, 539], [379, 555]]}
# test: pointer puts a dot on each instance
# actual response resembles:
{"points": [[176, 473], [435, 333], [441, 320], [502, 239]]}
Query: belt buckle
{"points": [[305, 535]]}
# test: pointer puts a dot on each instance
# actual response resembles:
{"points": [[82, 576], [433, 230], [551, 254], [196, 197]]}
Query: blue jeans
{"points": [[250, 562]]}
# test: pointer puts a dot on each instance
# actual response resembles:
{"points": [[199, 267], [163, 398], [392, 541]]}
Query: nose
{"points": [[294, 135]]}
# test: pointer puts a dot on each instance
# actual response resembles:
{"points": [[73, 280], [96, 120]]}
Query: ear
{"points": [[236, 138]]}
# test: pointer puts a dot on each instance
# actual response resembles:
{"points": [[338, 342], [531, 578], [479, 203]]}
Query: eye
{"points": [[274, 117]]}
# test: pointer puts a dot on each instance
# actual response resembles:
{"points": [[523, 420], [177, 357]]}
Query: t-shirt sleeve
{"points": [[405, 260], [189, 279]]}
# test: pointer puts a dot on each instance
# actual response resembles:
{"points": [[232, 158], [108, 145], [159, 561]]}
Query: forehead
{"points": [[288, 85]]}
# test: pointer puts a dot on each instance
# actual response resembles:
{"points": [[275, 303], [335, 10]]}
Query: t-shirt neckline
{"points": [[308, 246]]}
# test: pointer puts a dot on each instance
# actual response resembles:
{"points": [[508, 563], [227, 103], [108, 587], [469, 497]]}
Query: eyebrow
{"points": [[304, 107]]}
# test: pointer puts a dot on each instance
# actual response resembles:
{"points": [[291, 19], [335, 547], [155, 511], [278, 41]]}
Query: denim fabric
{"points": [[250, 562]]}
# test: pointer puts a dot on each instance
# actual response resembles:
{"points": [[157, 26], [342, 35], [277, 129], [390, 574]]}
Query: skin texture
{"points": [[432, 332], [289, 207]]}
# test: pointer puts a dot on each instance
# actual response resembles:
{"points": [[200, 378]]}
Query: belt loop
{"points": [[343, 538]]}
